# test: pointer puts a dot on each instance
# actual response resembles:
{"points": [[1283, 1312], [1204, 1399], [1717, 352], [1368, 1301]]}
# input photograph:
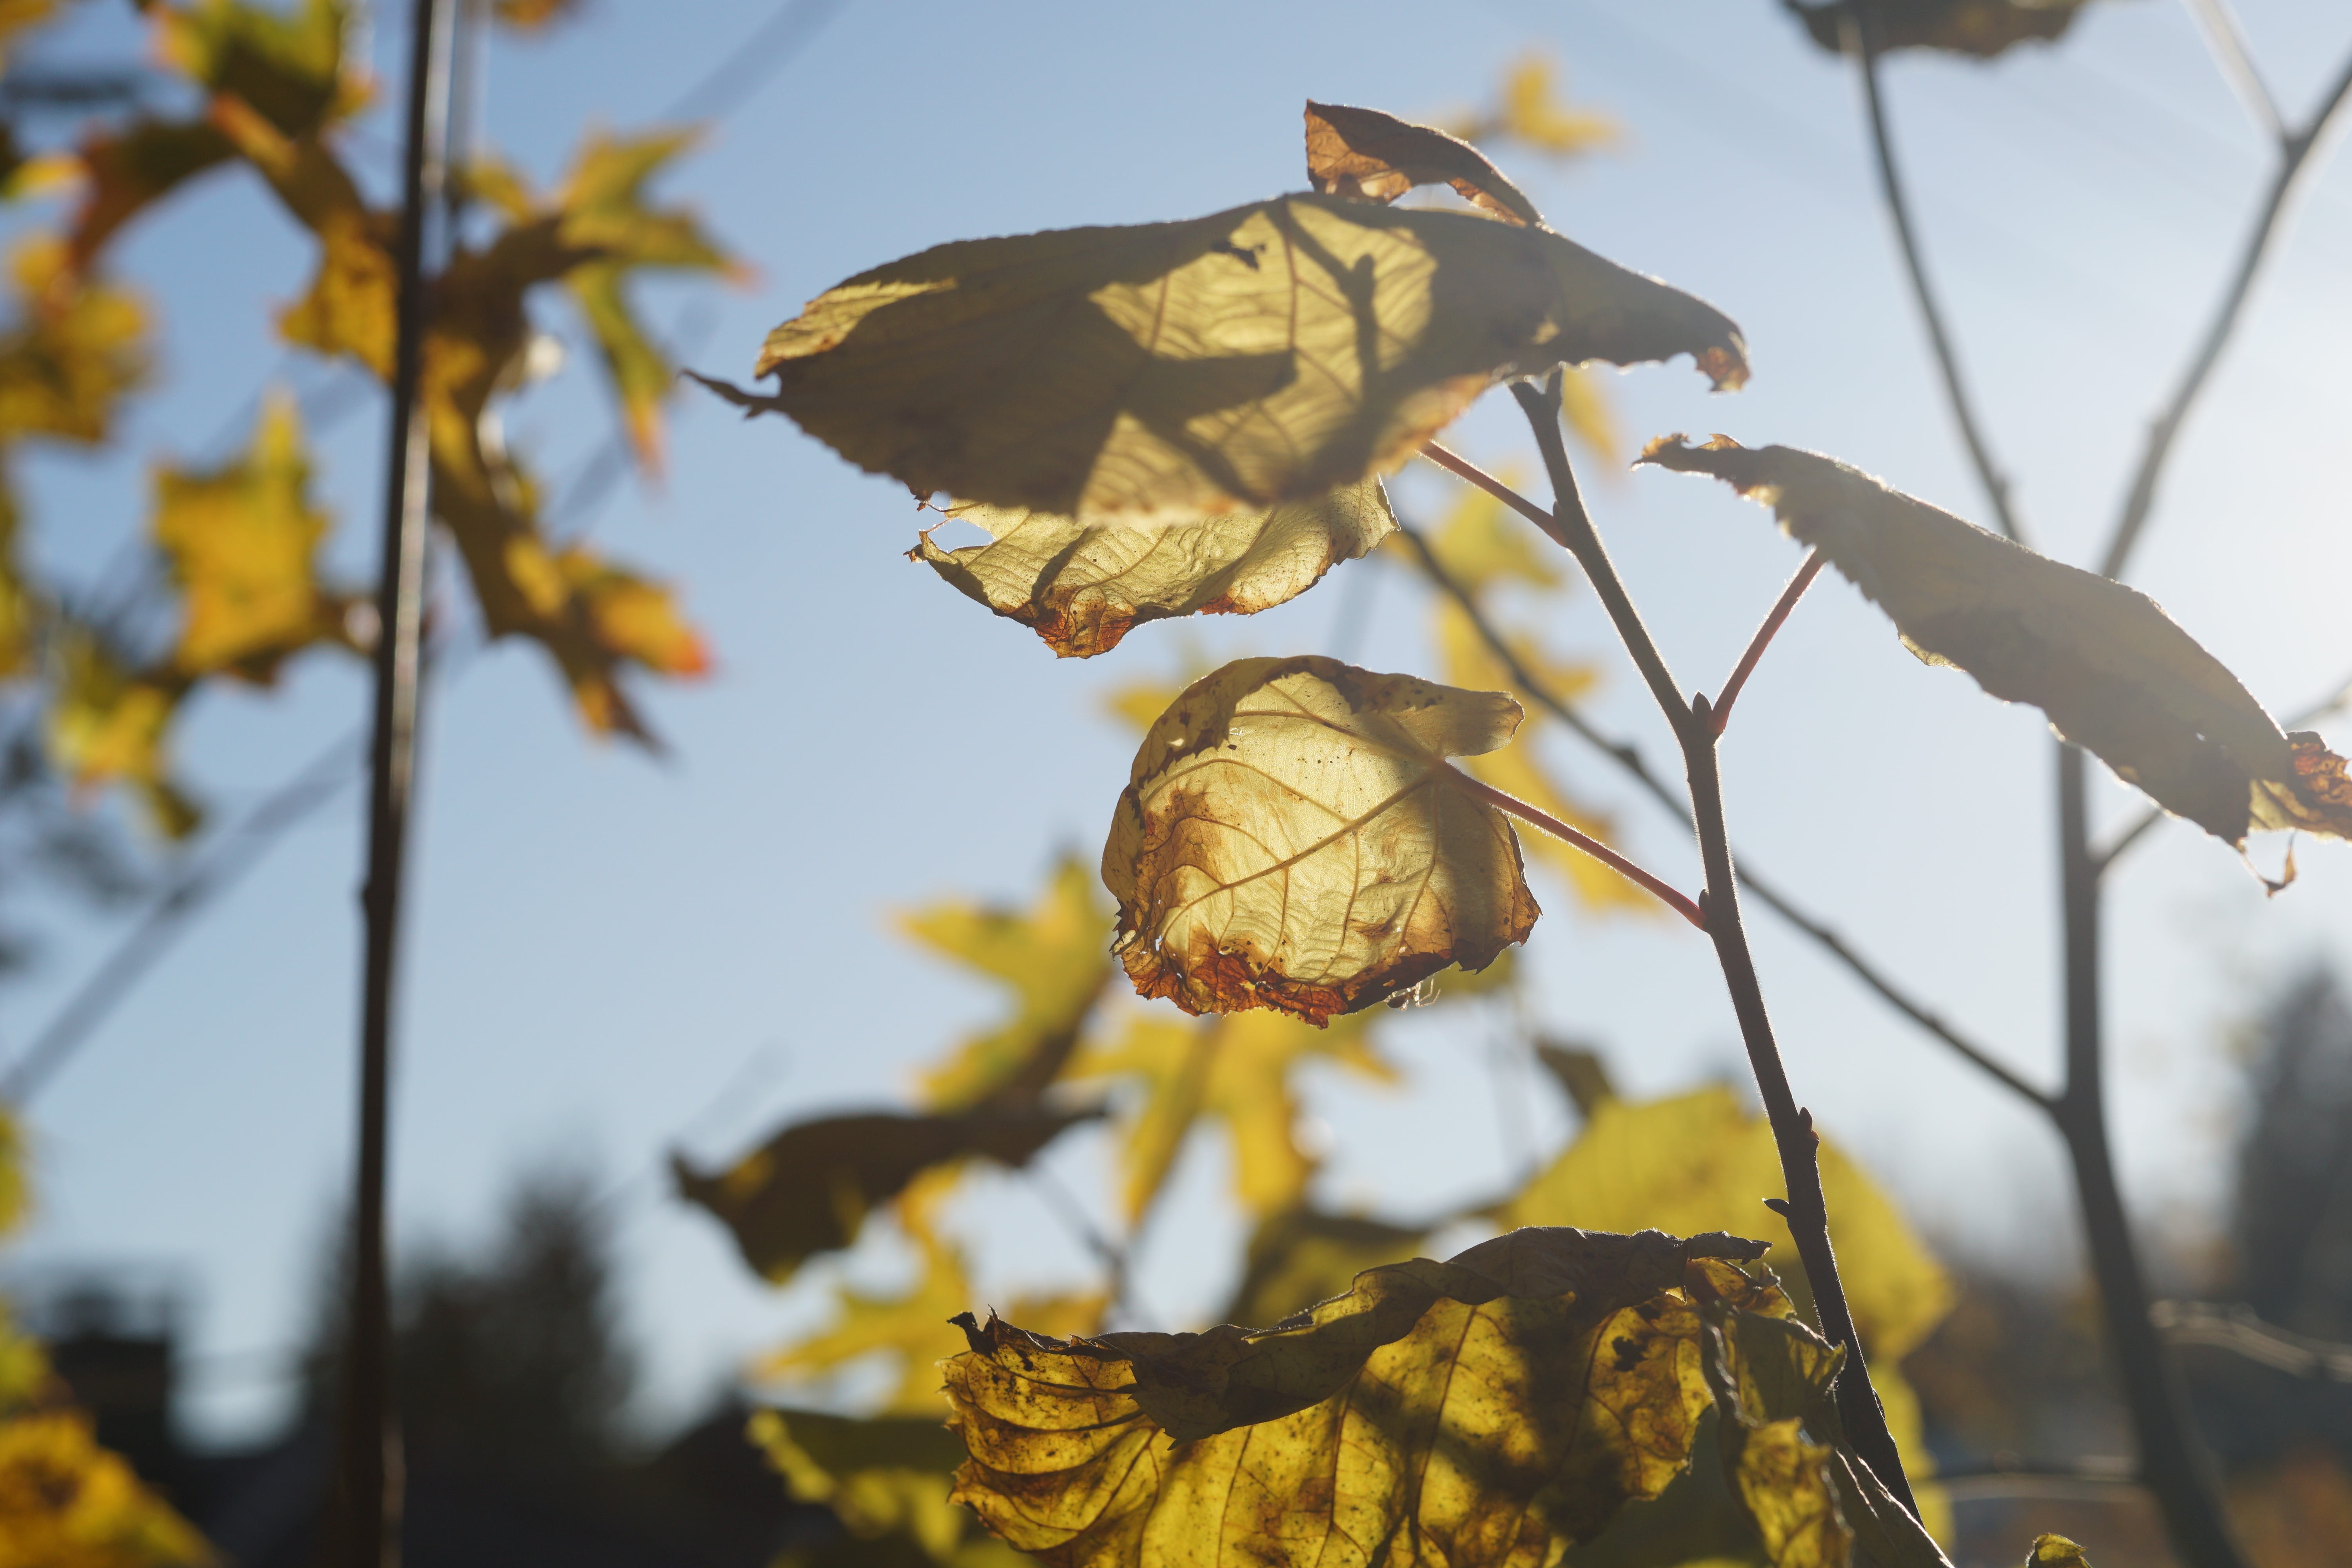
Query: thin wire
{"points": [[751, 65]]}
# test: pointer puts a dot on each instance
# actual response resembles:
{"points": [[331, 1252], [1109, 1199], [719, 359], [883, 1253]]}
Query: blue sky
{"points": [[613, 954]]}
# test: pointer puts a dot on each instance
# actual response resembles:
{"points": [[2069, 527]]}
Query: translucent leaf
{"points": [[2115, 675], [288, 66], [1980, 28], [1701, 1162], [1367, 155], [1534, 115], [1292, 837], [1494, 1409], [1054, 956], [1081, 586], [1301, 1256], [1235, 1071], [1267, 353], [2056, 1551], [76, 349], [809, 1188], [242, 541], [1776, 1380]]}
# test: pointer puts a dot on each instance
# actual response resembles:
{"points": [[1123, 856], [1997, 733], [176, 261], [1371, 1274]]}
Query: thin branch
{"points": [[1629, 758], [2225, 40], [2237, 1329], [1898, 208], [2294, 160], [1461, 466], [1812, 568], [1805, 1209], [1666, 892]]}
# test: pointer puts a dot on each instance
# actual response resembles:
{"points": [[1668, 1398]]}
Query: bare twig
{"points": [[1805, 1209], [1898, 207], [1455, 463], [1629, 758], [2226, 41], [1806, 573], [2295, 162], [2237, 1329], [1666, 892]]}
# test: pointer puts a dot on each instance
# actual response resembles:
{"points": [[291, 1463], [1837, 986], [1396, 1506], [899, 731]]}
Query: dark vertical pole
{"points": [[368, 1507]]}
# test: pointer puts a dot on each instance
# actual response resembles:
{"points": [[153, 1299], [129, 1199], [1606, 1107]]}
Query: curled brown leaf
{"points": [[1370, 155]]}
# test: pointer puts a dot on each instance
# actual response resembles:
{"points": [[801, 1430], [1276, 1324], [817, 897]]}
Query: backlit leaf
{"points": [[2115, 675], [1234, 1070], [1055, 957], [1701, 1162], [809, 1188], [1491, 1410], [288, 66], [2056, 1551], [1776, 1381], [124, 170], [66, 1502], [1081, 586], [1533, 115], [1292, 837], [241, 540], [76, 348], [1980, 28], [534, 16], [20, 606], [1368, 155], [1267, 353], [1304, 1254]]}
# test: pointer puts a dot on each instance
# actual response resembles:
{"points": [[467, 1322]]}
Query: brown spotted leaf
{"points": [[809, 1188], [1292, 835], [2115, 675], [1081, 586], [1268, 354], [1491, 1410], [1368, 155], [1980, 28]]}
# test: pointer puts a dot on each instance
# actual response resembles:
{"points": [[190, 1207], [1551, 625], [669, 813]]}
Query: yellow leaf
{"points": [[125, 170], [534, 16], [1236, 1070], [2115, 675], [288, 66], [1700, 1161], [77, 346], [242, 541], [1292, 837], [18, 17], [351, 305], [1054, 956], [107, 723], [1492, 1410], [1584, 408], [2056, 1551], [1082, 585], [1367, 155], [809, 1188], [1268, 354], [1533, 115], [883, 1478], [19, 608], [65, 1502], [1980, 28], [1480, 547]]}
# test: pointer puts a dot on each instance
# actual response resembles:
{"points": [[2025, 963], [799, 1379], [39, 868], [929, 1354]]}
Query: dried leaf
{"points": [[1054, 958], [2116, 675], [242, 540], [1236, 1070], [1701, 1162], [1304, 1256], [809, 1188], [1268, 354], [1494, 1409], [1775, 1383], [1081, 586], [1364, 154], [1292, 837], [1980, 28], [76, 349]]}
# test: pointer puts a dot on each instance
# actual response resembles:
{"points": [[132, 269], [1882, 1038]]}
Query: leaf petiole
{"points": [[1720, 714], [1455, 463], [1666, 893]]}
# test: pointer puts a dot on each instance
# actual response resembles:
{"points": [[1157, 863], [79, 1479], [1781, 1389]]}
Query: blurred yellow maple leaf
{"points": [[242, 538], [76, 348], [1054, 956], [107, 723]]}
